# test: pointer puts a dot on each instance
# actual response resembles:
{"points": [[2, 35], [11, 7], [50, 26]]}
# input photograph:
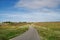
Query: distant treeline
{"points": [[13, 23]]}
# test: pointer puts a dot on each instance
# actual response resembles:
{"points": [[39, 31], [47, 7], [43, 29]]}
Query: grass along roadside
{"points": [[48, 33], [9, 32]]}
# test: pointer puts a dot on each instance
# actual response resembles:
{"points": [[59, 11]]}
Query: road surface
{"points": [[31, 34]]}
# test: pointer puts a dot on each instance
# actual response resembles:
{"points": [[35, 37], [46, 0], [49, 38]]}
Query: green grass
{"points": [[49, 31], [9, 31]]}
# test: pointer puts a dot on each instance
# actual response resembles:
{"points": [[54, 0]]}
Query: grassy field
{"points": [[48, 30], [9, 30]]}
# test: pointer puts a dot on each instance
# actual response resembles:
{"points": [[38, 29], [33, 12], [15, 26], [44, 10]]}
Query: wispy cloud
{"points": [[32, 17], [35, 4], [33, 10]]}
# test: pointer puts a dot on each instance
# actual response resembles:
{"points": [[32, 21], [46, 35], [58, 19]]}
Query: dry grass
{"points": [[10, 30], [48, 30]]}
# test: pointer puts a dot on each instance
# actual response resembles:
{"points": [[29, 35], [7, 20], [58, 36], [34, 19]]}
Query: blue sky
{"points": [[30, 10]]}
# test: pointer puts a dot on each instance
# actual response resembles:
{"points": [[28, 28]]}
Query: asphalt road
{"points": [[31, 34]]}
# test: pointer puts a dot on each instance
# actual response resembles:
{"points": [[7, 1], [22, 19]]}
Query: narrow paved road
{"points": [[31, 34]]}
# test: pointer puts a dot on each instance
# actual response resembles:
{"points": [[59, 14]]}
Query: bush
{"points": [[3, 37]]}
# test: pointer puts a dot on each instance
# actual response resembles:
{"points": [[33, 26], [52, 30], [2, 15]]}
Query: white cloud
{"points": [[35, 4], [35, 17]]}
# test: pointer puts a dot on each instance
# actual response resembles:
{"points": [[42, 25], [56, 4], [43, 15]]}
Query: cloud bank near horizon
{"points": [[32, 17]]}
